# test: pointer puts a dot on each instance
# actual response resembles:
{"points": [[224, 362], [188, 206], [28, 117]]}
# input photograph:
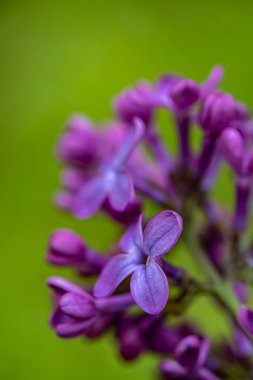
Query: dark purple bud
{"points": [[218, 111], [131, 343], [245, 317], [185, 93], [65, 248], [162, 339], [232, 148]]}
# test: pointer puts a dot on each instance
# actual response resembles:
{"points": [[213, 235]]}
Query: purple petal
{"points": [[212, 81], [162, 232], [117, 269], [121, 192], [132, 240], [205, 374], [172, 369], [62, 286], [73, 329], [133, 137], [90, 198], [149, 288]]}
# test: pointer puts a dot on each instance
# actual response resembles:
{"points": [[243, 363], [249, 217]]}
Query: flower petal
{"points": [[149, 288], [121, 192], [205, 374], [132, 240], [162, 232], [117, 269], [90, 198], [73, 329], [62, 286], [172, 369]]}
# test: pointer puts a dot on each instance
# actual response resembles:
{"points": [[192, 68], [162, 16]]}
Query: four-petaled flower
{"points": [[142, 250]]}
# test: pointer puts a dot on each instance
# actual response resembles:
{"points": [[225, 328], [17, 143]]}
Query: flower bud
{"points": [[65, 248], [218, 111], [232, 148], [185, 93], [78, 305]]}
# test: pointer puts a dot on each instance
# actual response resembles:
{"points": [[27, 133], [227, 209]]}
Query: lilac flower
{"points": [[142, 249], [77, 312], [112, 182], [126, 170], [190, 358]]}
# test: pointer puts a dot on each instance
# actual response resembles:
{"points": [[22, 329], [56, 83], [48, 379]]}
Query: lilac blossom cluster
{"points": [[121, 167]]}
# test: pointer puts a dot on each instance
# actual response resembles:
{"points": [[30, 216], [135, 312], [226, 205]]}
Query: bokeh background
{"points": [[56, 58]]}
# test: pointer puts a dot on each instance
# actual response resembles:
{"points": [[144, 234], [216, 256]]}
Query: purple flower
{"points": [[142, 250], [113, 182], [190, 358], [77, 312]]}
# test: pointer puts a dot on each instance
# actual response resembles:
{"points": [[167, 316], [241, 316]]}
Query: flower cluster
{"points": [[119, 168]]}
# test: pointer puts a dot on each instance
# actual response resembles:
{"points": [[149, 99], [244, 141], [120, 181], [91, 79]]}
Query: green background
{"points": [[58, 57]]}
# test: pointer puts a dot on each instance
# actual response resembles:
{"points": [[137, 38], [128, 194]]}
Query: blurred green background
{"points": [[58, 57]]}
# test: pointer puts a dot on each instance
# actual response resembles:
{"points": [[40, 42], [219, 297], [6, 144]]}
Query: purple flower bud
{"points": [[245, 317], [185, 93], [131, 343], [218, 111], [65, 247], [134, 102], [78, 305], [232, 148]]}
